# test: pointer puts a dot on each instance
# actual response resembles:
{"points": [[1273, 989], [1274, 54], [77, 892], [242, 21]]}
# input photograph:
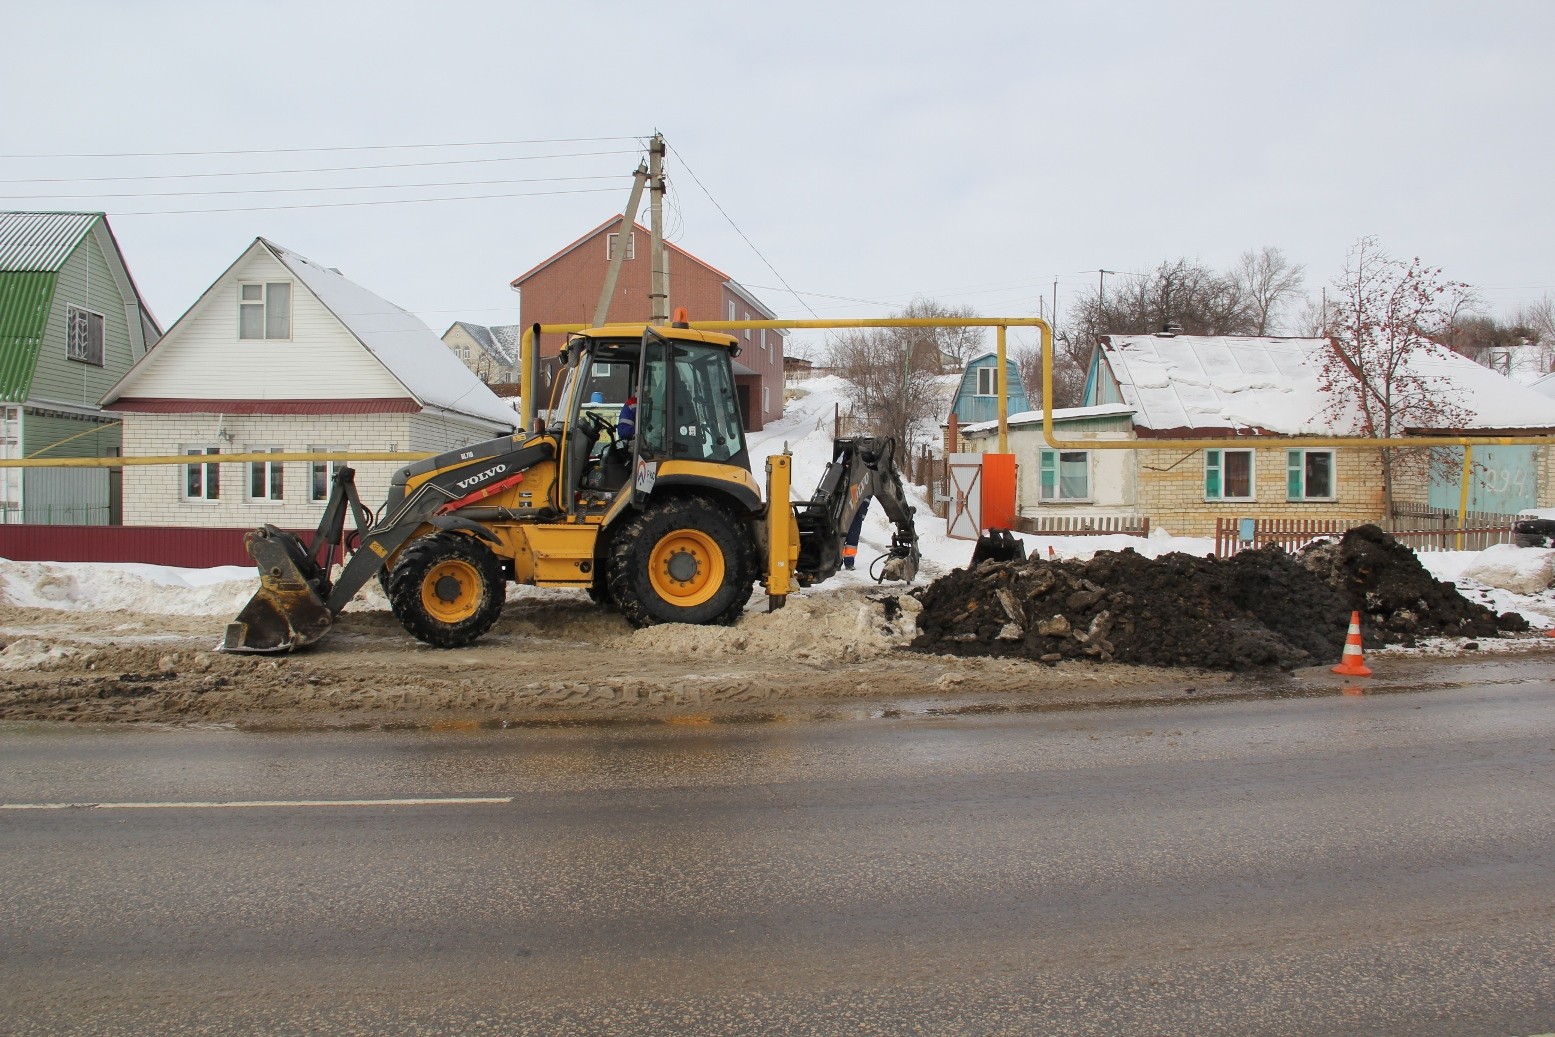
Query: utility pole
{"points": [[659, 292], [623, 242], [1101, 291]]}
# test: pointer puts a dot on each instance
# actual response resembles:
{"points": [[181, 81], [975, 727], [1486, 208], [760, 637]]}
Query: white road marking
{"points": [[240, 804]]}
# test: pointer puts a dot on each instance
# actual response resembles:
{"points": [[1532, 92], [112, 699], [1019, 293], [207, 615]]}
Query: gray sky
{"points": [[970, 152]]}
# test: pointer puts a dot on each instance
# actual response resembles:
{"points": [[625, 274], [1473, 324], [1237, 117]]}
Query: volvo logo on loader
{"points": [[465, 484]]}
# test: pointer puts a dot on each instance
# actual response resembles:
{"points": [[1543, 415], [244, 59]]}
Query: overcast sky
{"points": [[861, 154]]}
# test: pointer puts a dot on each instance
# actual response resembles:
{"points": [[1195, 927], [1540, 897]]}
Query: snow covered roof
{"points": [[1544, 386], [1219, 385], [1034, 417], [406, 347], [499, 342]]}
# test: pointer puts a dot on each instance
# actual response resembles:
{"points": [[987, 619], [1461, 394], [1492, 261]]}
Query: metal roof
{"points": [[24, 312], [41, 241]]}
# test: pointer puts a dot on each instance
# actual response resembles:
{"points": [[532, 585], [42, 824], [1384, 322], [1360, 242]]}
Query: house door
{"points": [[743, 391], [964, 515]]}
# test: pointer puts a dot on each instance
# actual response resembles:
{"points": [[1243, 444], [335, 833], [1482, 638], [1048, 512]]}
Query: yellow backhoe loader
{"points": [[667, 523]]}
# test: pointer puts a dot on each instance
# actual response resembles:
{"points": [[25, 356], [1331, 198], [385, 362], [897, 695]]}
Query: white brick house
{"points": [[281, 354]]}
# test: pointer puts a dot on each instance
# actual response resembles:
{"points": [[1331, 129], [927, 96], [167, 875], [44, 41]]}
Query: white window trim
{"points": [[1333, 476], [1252, 476], [248, 476], [200, 450], [330, 468], [264, 310], [1057, 498], [610, 245], [977, 379]]}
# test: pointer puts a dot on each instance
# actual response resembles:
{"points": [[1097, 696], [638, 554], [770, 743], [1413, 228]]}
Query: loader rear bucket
{"points": [[998, 545], [286, 612]]}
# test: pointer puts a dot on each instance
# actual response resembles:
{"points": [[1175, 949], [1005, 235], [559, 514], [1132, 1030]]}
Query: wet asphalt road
{"points": [[1321, 866]]}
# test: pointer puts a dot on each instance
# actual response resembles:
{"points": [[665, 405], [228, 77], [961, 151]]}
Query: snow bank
{"points": [[127, 587], [1523, 570]]}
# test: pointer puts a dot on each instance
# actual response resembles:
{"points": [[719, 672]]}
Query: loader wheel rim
{"points": [[686, 567], [451, 591]]}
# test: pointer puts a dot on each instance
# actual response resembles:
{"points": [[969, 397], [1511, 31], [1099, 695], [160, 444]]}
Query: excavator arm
{"points": [[860, 470]]}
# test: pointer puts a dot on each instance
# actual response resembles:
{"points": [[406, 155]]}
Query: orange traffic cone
{"points": [[1352, 664]]}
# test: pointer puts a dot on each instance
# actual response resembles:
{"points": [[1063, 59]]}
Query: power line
{"points": [[316, 151], [740, 232], [316, 169], [295, 190], [376, 201]]}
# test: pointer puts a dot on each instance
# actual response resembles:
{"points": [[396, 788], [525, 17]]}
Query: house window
{"points": [[610, 246], [987, 381], [747, 330], [766, 399], [83, 335], [763, 340], [1066, 475], [1309, 474], [265, 478], [265, 310], [202, 481], [323, 473], [1228, 475], [731, 311]]}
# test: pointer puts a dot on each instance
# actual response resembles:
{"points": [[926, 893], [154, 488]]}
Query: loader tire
{"points": [[447, 589], [684, 560]]}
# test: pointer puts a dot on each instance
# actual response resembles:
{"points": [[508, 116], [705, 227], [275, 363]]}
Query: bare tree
{"points": [[1266, 282], [892, 392], [942, 348], [1388, 315]]}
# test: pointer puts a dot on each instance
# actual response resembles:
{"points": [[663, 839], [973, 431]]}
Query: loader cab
{"points": [[686, 407]]}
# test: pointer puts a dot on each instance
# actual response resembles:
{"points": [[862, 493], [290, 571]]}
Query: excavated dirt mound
{"points": [[1398, 599], [1257, 609]]}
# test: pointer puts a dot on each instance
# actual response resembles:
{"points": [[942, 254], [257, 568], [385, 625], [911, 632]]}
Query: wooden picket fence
{"points": [[1085, 525], [1291, 534]]}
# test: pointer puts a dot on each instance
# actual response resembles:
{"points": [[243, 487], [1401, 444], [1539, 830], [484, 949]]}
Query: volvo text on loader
{"points": [[667, 524]]}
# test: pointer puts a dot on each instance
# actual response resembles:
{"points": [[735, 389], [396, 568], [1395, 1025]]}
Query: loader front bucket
{"points": [[287, 611]]}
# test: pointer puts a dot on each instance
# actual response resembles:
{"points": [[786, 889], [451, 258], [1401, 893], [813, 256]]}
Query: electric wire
{"points": [[314, 169], [295, 190], [374, 201], [317, 151], [738, 231]]}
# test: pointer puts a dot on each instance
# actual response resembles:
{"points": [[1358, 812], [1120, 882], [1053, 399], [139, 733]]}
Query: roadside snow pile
{"points": [[1521, 570], [1256, 609], [127, 587]]}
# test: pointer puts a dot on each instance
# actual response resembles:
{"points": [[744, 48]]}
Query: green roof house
{"points": [[71, 324]]}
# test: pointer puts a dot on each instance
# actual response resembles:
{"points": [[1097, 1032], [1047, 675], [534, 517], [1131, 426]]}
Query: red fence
{"points": [[1293, 533], [191, 548]]}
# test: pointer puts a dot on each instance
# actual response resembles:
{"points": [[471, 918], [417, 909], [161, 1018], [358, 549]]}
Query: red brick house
{"points": [[564, 289]]}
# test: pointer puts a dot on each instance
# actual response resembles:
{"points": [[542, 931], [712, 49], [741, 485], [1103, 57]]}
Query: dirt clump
{"points": [[1399, 600], [1256, 610]]}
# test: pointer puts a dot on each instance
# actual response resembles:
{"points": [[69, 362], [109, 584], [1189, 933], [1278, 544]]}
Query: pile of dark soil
{"points": [[1398, 599], [1257, 609]]}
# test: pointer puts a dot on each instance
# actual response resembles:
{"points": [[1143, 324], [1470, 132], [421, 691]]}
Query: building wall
{"points": [[1170, 489], [153, 494], [86, 281], [469, 352], [970, 407], [203, 358], [566, 291], [1111, 472]]}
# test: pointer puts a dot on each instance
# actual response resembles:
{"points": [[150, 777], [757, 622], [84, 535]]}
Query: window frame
{"points": [[263, 305], [610, 245], [1296, 475], [94, 322], [330, 467], [1218, 466], [210, 488], [993, 382], [1050, 491], [274, 477]]}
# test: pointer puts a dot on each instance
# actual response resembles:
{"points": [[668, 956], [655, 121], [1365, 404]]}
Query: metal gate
{"points": [[964, 514]]}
